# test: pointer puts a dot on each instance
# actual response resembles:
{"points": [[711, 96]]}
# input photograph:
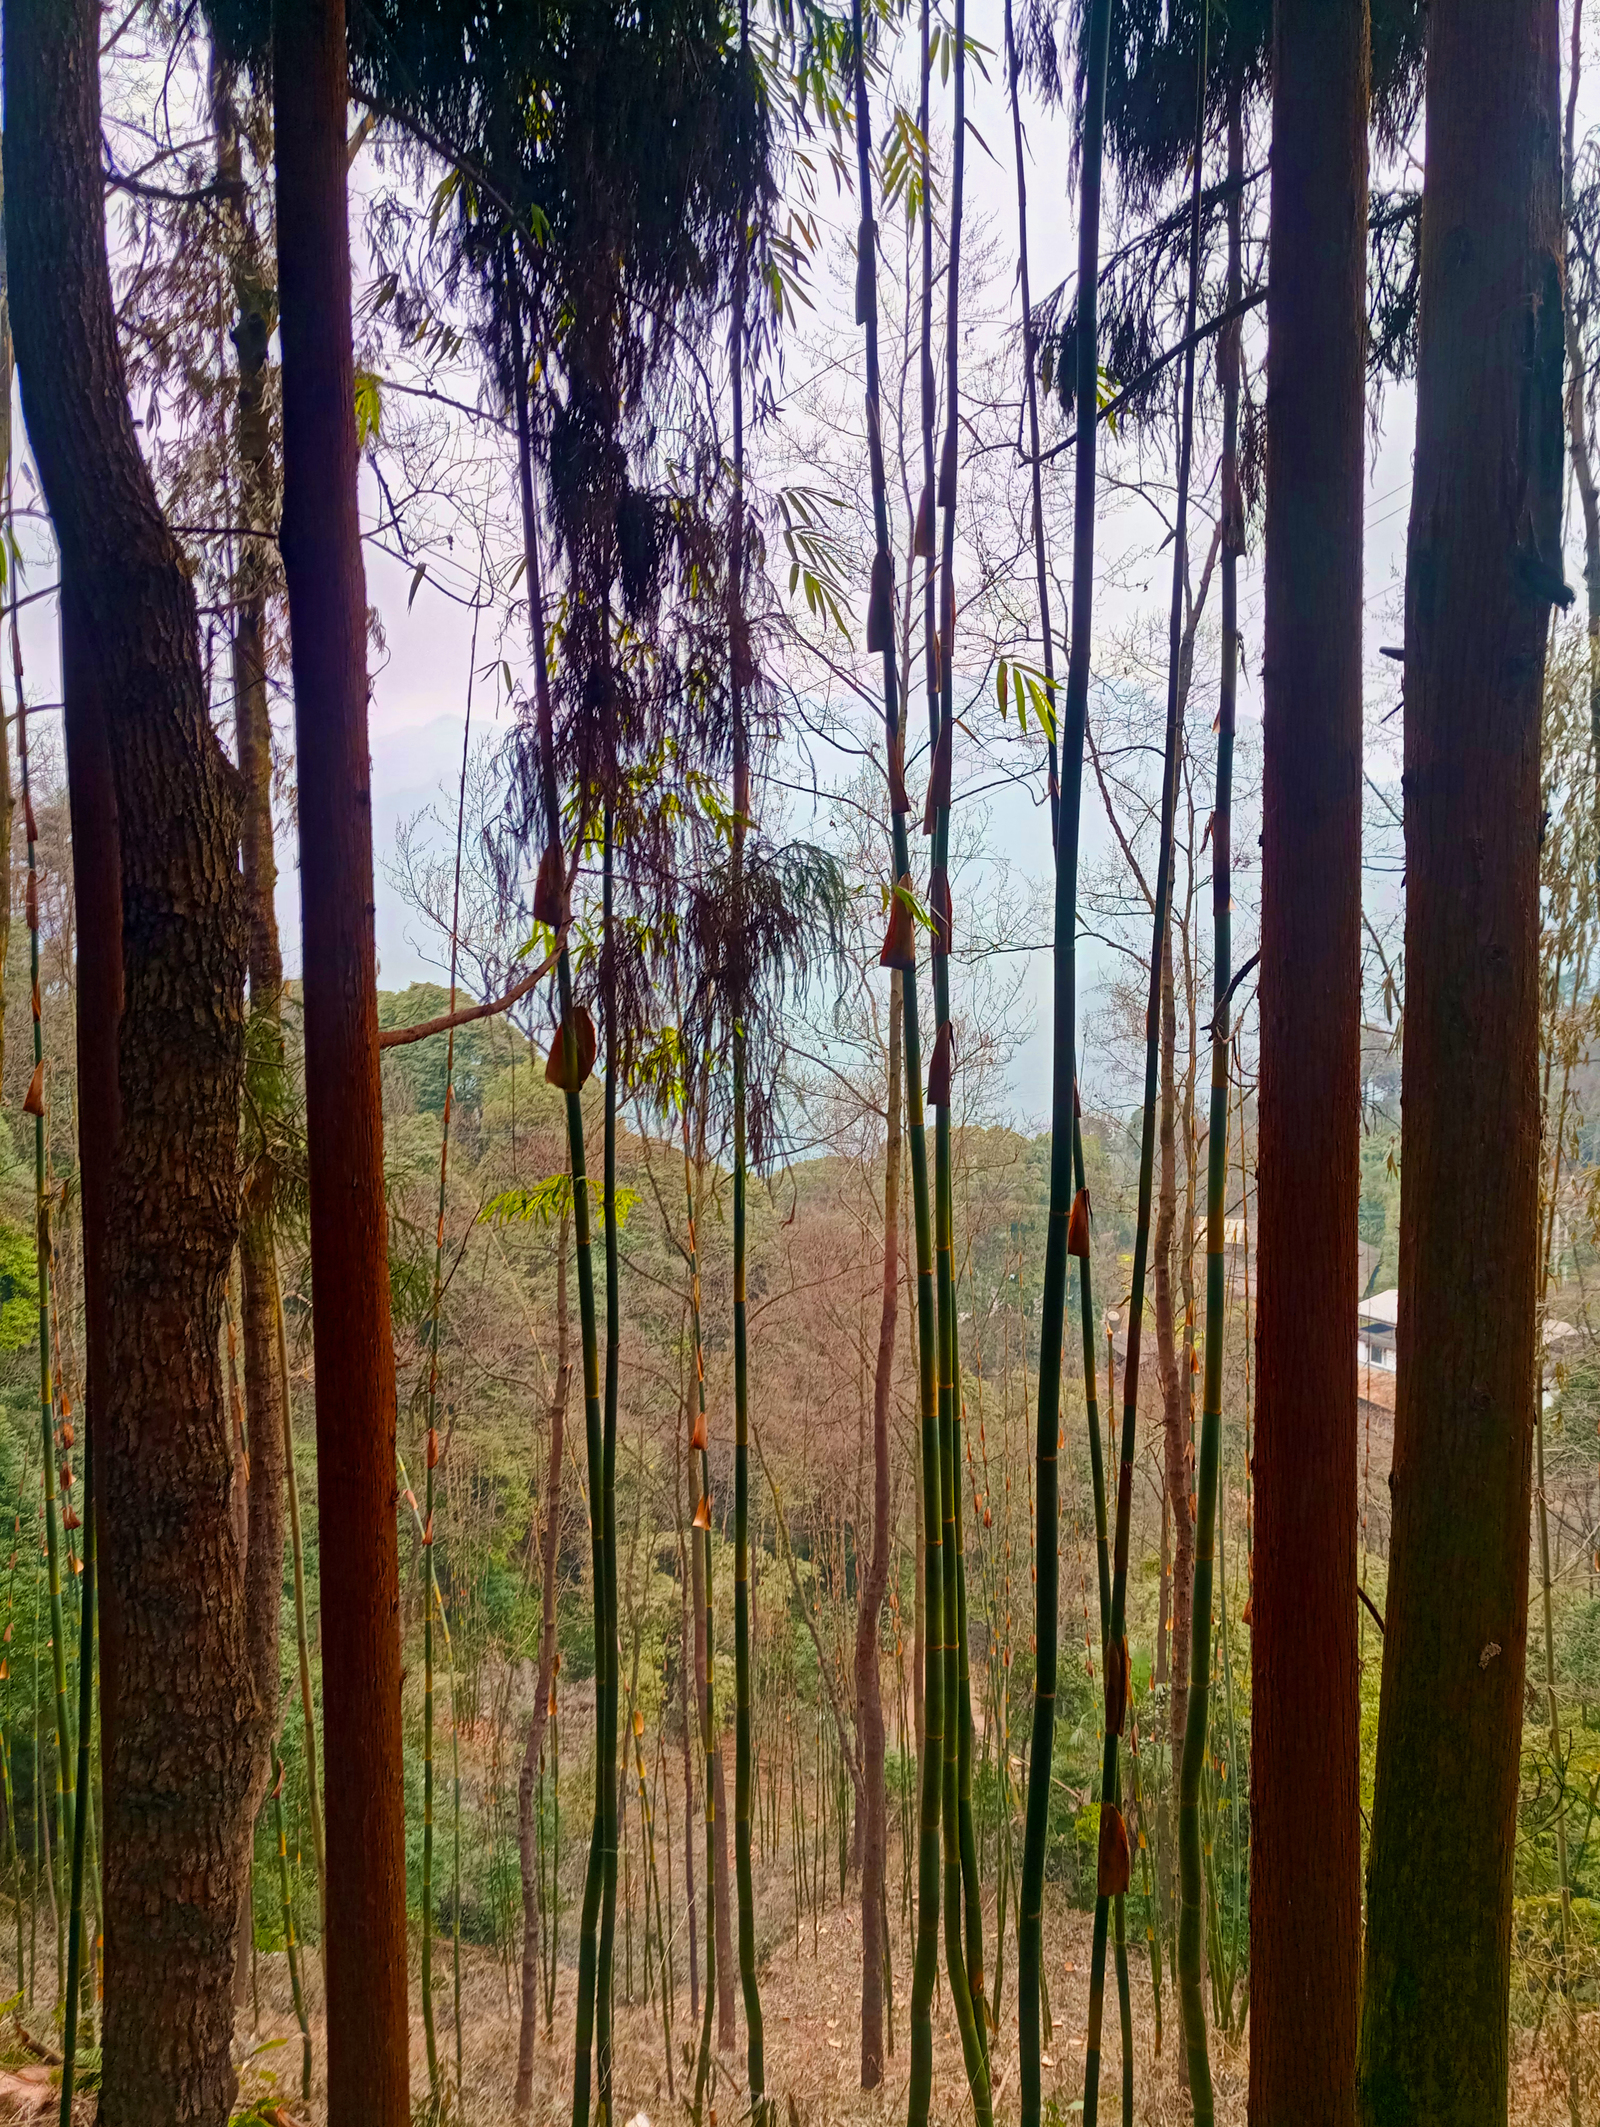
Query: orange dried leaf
{"points": [[1114, 1864], [939, 1069], [880, 605], [900, 939], [1116, 1686], [702, 1514], [571, 1075], [1078, 1226], [947, 470], [550, 889], [922, 544], [33, 1099]]}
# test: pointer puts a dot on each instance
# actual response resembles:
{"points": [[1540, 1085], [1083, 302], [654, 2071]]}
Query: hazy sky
{"points": [[420, 686]]}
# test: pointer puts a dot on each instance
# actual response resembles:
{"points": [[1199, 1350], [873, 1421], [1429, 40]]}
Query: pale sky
{"points": [[419, 688]]}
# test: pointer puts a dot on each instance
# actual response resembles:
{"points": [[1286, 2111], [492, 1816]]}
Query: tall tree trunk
{"points": [[1482, 569], [187, 1716], [874, 1813], [265, 1390], [368, 2045], [97, 897], [533, 1746], [1305, 1906]]}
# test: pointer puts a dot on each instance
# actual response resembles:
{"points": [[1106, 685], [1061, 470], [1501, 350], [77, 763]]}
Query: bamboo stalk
{"points": [[739, 656], [700, 1479], [648, 1821], [432, 1457], [35, 1105], [288, 1924], [555, 1867], [1030, 1975], [69, 2042], [925, 1968], [1198, 1713], [964, 1946], [580, 1192], [606, 1700], [1117, 1656], [302, 1635]]}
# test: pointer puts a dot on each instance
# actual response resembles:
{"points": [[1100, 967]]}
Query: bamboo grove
{"points": [[986, 587]]}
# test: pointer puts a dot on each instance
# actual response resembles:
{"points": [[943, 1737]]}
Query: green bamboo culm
{"points": [[963, 1911], [1064, 1102], [1196, 1733], [286, 1902], [86, 1669], [1117, 1671], [571, 1073], [301, 1631], [1080, 1241], [33, 1104], [607, 1702], [902, 936], [429, 1578], [554, 1732], [700, 1477], [653, 1884], [739, 675]]}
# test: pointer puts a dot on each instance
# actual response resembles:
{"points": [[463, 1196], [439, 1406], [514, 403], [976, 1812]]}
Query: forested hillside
{"points": [[799, 1180]]}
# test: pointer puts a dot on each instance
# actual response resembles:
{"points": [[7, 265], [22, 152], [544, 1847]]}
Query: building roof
{"points": [[1375, 1385], [1382, 1309]]}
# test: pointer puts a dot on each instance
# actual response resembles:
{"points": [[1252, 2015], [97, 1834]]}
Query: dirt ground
{"points": [[810, 2002]]}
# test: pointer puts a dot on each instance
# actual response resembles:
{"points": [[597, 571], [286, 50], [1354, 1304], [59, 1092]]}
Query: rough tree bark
{"points": [[365, 1940], [533, 1746], [97, 899], [1305, 1908], [186, 1719], [1483, 566], [873, 1812]]}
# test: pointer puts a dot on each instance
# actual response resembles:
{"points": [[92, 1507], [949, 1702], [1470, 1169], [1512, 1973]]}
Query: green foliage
{"points": [[19, 1288]]}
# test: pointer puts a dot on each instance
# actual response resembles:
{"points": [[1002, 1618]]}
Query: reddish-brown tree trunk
{"points": [[872, 1813], [533, 1746], [368, 2065], [97, 899], [1305, 1852], [1483, 565], [186, 1717], [265, 1390]]}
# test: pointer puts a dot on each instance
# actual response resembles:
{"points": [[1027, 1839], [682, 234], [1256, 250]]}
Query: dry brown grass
{"points": [[810, 2002]]}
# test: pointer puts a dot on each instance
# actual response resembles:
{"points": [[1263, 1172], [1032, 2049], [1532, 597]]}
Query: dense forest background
{"points": [[645, 394]]}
